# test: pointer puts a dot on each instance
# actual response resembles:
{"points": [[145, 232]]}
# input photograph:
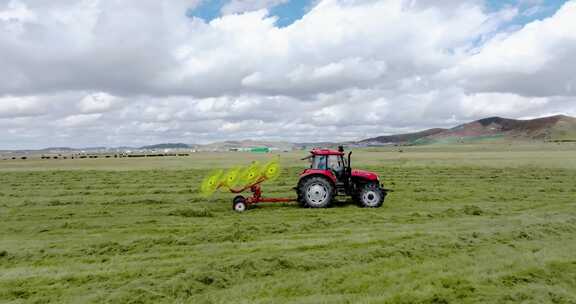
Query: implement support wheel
{"points": [[239, 204]]}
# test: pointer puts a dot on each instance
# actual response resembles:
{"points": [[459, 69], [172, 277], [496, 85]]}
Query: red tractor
{"points": [[330, 174]]}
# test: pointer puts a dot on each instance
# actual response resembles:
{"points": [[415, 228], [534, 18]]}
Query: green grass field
{"points": [[466, 224]]}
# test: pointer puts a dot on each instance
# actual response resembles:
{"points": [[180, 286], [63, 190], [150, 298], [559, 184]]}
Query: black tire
{"points": [[316, 192], [370, 195], [239, 204]]}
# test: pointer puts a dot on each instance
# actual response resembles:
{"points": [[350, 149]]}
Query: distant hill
{"points": [[403, 138], [166, 146], [239, 144], [57, 149], [323, 144], [559, 128], [493, 129]]}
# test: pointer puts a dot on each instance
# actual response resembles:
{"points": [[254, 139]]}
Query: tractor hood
{"points": [[365, 174]]}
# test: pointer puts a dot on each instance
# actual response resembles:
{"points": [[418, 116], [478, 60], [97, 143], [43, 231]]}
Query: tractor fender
{"points": [[361, 180], [317, 172], [358, 182], [364, 175]]}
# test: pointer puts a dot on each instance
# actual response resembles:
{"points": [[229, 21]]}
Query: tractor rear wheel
{"points": [[371, 195], [316, 192]]}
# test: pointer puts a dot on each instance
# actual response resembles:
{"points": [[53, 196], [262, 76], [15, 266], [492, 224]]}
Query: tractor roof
{"points": [[325, 152]]}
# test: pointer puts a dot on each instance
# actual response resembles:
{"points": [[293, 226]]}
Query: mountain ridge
{"points": [[557, 128], [492, 129], [399, 138]]}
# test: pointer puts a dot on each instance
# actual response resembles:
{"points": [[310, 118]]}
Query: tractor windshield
{"points": [[319, 162]]}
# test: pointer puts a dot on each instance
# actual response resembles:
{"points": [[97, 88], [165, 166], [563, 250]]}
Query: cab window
{"points": [[335, 163], [319, 162]]}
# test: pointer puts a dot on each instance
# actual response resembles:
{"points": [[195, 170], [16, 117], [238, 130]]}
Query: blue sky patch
{"points": [[287, 13], [293, 10], [528, 13], [290, 11], [207, 10]]}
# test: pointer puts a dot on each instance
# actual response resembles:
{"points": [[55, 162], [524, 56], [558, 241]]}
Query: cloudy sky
{"points": [[114, 72]]}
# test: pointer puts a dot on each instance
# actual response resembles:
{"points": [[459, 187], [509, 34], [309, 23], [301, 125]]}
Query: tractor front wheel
{"points": [[239, 204], [371, 196], [316, 192]]}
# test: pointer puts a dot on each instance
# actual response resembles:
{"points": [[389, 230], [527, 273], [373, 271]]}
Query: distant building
{"points": [[260, 150]]}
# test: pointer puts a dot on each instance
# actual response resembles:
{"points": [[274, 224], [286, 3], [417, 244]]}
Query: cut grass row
{"points": [[446, 235]]}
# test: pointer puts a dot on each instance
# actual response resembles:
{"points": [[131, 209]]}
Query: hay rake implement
{"points": [[252, 178], [330, 174]]}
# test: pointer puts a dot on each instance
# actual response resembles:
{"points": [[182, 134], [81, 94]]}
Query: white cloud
{"points": [[116, 72], [11, 107], [537, 60], [503, 104], [102, 51], [98, 103], [79, 120]]}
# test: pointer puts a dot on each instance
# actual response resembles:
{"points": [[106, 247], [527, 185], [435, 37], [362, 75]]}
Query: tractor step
{"points": [[341, 189]]}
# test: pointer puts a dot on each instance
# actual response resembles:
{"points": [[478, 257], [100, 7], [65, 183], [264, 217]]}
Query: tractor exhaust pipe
{"points": [[349, 164]]}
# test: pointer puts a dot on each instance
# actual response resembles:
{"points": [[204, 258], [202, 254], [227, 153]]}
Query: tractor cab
{"points": [[330, 174], [337, 165], [332, 162]]}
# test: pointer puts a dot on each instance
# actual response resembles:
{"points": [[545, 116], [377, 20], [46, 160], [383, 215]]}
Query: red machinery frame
{"points": [[256, 190]]}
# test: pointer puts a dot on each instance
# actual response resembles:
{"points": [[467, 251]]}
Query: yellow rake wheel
{"points": [[272, 169], [232, 177], [251, 174], [210, 184]]}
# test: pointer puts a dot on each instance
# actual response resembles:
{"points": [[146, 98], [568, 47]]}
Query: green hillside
{"points": [[564, 130], [491, 130]]}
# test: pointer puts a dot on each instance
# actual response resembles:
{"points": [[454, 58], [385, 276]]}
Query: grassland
{"points": [[466, 224]]}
